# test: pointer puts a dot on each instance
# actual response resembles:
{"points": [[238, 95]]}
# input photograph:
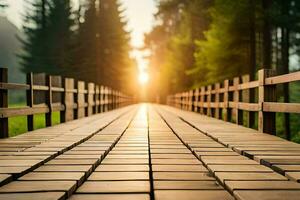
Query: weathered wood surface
{"points": [[233, 99], [46, 94], [144, 152]]}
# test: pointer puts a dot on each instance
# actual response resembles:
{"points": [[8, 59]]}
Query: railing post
{"points": [[196, 100], [266, 120], [209, 111], [3, 103], [101, 99], [110, 99], [117, 99], [49, 100], [217, 101], [80, 100], [29, 97], [90, 98], [191, 100], [202, 99], [177, 98], [97, 99], [246, 99], [68, 100], [236, 99], [227, 113]]}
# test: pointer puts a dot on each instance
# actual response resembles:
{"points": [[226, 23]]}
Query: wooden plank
{"points": [[179, 168], [49, 101], [110, 197], [192, 194], [186, 185], [266, 120], [80, 100], [68, 100], [54, 176], [281, 107], [39, 186], [286, 168], [295, 176], [5, 178], [239, 168], [35, 195], [90, 99], [182, 176], [267, 194], [262, 185], [286, 78], [248, 176], [119, 176], [3, 103], [122, 168], [13, 86], [64, 168], [114, 187]]}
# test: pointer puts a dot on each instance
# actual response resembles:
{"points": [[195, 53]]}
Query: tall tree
{"points": [[227, 40], [113, 46], [267, 34], [172, 43], [48, 37], [60, 36], [86, 60], [34, 56]]}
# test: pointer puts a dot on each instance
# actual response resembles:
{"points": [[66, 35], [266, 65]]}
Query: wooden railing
{"points": [[46, 94], [230, 99]]}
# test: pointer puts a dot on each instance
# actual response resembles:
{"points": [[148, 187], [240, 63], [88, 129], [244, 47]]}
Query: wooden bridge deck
{"points": [[144, 152]]}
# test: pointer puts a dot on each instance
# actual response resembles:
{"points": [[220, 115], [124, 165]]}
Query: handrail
{"points": [[47, 94], [229, 100]]}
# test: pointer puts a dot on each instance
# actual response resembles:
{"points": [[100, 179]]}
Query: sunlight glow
{"points": [[143, 78]]}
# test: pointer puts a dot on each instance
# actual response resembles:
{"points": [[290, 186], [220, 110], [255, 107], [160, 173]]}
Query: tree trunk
{"points": [[285, 46], [267, 37], [252, 63], [43, 15]]}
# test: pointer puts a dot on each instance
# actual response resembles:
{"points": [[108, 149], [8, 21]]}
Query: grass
{"points": [[18, 125]]}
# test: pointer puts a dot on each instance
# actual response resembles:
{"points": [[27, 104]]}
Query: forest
{"points": [[192, 43], [199, 42], [88, 43]]}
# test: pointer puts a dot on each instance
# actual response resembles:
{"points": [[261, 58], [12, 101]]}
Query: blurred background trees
{"points": [[200, 42], [206, 41], [89, 43]]}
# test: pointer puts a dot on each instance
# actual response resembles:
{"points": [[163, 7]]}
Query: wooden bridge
{"points": [[146, 151], [110, 148]]}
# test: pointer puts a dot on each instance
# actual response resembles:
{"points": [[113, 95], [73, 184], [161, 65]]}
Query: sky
{"points": [[139, 13]]}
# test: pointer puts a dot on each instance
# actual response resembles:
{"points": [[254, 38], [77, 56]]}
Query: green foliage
{"points": [[102, 55], [48, 37], [113, 43], [200, 42], [172, 43], [90, 44], [18, 125]]}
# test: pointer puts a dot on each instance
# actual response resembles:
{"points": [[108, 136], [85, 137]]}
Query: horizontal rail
{"points": [[286, 78], [47, 94], [230, 99], [281, 107]]}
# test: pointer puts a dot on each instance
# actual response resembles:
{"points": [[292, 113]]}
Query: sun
{"points": [[143, 78]]}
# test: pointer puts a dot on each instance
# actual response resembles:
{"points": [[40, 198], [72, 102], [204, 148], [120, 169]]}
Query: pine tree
{"points": [[34, 56], [87, 59], [113, 44], [224, 53], [46, 47], [60, 37]]}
